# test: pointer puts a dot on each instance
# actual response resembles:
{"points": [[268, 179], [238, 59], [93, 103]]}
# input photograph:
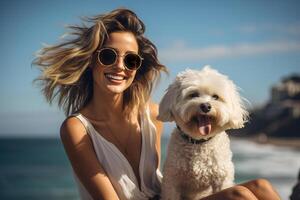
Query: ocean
{"points": [[37, 168]]}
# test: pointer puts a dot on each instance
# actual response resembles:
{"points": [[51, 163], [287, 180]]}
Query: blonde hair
{"points": [[65, 67]]}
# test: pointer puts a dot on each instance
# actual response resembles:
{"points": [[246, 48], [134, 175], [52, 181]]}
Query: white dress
{"points": [[119, 170]]}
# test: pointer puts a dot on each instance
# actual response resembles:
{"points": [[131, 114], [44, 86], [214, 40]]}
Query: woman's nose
{"points": [[120, 63]]}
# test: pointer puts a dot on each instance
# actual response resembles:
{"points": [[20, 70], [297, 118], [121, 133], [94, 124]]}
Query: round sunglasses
{"points": [[109, 56]]}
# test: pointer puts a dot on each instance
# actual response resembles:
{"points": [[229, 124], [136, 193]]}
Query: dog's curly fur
{"points": [[203, 104]]}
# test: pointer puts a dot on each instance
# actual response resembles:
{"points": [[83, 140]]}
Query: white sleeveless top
{"points": [[119, 170]]}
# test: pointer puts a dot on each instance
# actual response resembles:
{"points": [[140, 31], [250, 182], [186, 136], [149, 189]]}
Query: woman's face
{"points": [[116, 78]]}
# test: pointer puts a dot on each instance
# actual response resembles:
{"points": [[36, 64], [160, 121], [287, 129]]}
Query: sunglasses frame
{"points": [[118, 55]]}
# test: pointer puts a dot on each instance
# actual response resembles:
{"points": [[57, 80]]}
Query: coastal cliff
{"points": [[280, 116]]}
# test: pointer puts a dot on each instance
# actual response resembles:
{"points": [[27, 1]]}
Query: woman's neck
{"points": [[105, 106]]}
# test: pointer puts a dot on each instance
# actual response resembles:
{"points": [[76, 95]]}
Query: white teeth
{"points": [[115, 77]]}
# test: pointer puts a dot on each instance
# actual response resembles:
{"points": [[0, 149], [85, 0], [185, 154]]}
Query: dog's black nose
{"points": [[205, 107]]}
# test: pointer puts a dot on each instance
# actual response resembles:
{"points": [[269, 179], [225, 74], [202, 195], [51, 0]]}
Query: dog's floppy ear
{"points": [[239, 119], [239, 114], [165, 106]]}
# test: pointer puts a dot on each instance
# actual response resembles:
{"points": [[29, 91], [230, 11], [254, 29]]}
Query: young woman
{"points": [[103, 77]]}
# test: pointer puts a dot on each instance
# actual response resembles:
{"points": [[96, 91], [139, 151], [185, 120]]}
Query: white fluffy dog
{"points": [[203, 105]]}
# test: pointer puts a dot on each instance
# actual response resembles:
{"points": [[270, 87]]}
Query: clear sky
{"points": [[256, 43]]}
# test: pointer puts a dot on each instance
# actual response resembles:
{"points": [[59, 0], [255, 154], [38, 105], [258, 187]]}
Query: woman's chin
{"points": [[116, 89]]}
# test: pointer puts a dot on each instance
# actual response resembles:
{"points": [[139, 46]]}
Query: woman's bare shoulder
{"points": [[72, 130], [153, 109], [154, 113]]}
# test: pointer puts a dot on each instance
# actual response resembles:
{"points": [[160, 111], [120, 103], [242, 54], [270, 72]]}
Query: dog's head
{"points": [[203, 103]]}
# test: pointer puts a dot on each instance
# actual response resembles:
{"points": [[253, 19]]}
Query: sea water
{"points": [[35, 168]]}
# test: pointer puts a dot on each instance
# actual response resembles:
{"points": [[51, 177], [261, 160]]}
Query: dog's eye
{"points": [[215, 97], [193, 95]]}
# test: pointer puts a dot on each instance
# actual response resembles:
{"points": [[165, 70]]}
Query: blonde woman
{"points": [[103, 77]]}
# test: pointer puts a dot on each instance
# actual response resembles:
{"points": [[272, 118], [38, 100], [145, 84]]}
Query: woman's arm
{"points": [[159, 128], [253, 190], [85, 164]]}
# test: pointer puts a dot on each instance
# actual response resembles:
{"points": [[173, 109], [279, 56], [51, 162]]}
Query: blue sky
{"points": [[256, 43]]}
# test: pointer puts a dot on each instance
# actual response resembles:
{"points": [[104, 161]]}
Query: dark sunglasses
{"points": [[109, 56]]}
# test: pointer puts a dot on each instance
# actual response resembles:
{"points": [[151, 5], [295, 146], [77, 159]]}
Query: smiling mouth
{"points": [[114, 77]]}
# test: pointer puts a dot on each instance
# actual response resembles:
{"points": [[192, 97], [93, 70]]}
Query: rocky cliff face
{"points": [[280, 117]]}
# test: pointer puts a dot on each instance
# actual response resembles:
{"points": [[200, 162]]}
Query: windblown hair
{"points": [[66, 74]]}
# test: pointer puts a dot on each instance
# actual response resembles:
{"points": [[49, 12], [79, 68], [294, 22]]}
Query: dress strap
{"points": [[82, 119]]}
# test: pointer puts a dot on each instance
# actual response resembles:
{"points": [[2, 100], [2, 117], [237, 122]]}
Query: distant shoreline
{"points": [[284, 142]]}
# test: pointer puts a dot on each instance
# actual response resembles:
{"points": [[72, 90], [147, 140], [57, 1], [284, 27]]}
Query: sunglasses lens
{"points": [[107, 57], [132, 61]]}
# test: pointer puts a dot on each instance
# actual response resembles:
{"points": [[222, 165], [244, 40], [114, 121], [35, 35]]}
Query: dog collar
{"points": [[190, 139]]}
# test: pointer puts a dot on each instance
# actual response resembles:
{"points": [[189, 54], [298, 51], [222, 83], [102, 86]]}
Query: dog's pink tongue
{"points": [[204, 125]]}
